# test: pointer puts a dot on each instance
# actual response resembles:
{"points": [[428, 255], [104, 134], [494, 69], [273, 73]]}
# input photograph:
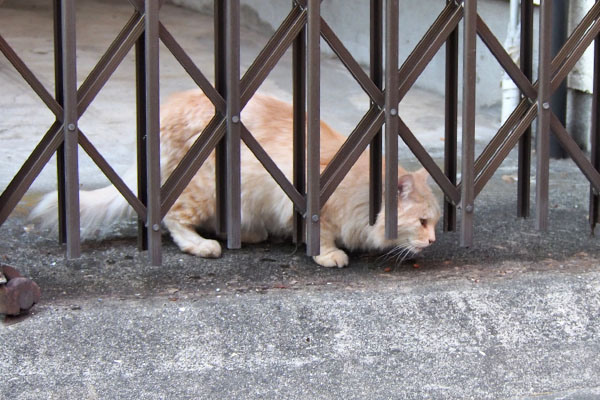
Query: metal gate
{"points": [[381, 125]]}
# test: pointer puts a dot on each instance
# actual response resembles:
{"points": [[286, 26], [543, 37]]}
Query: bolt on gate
{"points": [[386, 83]]}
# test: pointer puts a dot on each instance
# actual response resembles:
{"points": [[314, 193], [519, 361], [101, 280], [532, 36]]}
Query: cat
{"points": [[266, 210]]}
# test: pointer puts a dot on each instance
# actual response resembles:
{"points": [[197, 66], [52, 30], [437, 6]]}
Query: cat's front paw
{"points": [[206, 249], [334, 258]]}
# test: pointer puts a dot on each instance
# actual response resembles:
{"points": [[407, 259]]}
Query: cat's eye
{"points": [[423, 222]]}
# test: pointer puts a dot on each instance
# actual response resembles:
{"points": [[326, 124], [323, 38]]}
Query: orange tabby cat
{"points": [[266, 210]]}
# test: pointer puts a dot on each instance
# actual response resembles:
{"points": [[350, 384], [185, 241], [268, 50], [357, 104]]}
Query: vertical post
{"points": [[69, 64], [543, 127], [142, 162], [558, 99], [375, 148], [58, 91], [220, 150], [299, 157], [232, 71], [468, 121], [391, 121], [153, 130], [451, 126], [595, 136], [526, 64], [313, 209]]}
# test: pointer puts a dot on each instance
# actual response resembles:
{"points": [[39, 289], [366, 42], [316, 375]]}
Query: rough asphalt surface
{"points": [[515, 317]]}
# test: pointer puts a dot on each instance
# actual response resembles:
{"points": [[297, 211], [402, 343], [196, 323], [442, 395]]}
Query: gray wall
{"points": [[350, 20]]}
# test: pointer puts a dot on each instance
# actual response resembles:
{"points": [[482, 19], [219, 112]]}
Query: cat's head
{"points": [[418, 214]]}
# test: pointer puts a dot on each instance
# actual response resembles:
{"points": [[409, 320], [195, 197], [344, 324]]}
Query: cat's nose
{"points": [[431, 241]]}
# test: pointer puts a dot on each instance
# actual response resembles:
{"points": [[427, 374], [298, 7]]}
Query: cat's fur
{"points": [[266, 210]]}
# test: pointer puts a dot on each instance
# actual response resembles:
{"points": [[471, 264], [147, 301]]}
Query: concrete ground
{"points": [[516, 316]]}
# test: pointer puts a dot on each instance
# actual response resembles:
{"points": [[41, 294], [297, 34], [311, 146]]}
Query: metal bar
{"points": [[500, 54], [232, 138], [449, 189], [60, 152], [575, 36], [70, 128], [501, 151], [272, 52], [425, 51], [575, 152], [112, 175], [220, 150], [191, 68], [574, 55], [500, 136], [313, 185], [346, 157], [468, 122], [273, 169], [595, 136], [142, 162], [376, 75], [108, 64], [299, 128], [429, 37], [30, 78], [524, 151], [391, 120], [31, 168], [152, 130], [351, 64], [543, 125], [451, 125], [350, 143], [192, 161]]}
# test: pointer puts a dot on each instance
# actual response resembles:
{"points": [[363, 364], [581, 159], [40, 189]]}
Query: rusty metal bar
{"points": [[391, 119], [232, 136], [575, 152], [350, 151], [181, 176], [451, 125], [221, 87], [543, 126], [271, 53], [193, 71], [502, 149], [468, 121], [109, 62], [351, 64], [427, 48], [430, 165], [574, 54], [70, 128], [31, 168], [376, 75], [595, 136], [142, 162], [299, 128], [110, 173], [152, 130], [524, 151], [58, 93], [498, 51], [313, 186], [30, 78], [273, 169]]}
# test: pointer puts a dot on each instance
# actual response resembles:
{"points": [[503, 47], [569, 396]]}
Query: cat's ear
{"points": [[405, 185], [422, 174]]}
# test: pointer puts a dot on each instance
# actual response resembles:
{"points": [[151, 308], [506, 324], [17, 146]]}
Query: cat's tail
{"points": [[99, 209]]}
